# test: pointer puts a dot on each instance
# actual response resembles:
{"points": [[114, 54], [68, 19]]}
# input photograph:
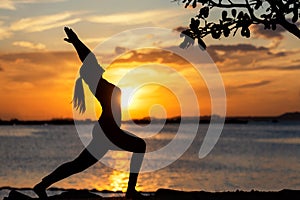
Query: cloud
{"points": [[240, 89], [220, 53], [38, 57], [4, 32], [276, 36], [151, 56], [96, 40], [282, 68], [7, 4], [45, 22], [133, 18], [278, 54], [38, 67], [247, 57], [37, 23], [120, 50], [228, 58], [12, 4], [254, 84], [237, 47], [180, 28], [260, 32], [296, 61], [30, 45]]}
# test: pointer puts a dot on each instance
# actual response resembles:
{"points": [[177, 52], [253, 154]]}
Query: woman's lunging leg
{"points": [[129, 142], [82, 162], [135, 166]]}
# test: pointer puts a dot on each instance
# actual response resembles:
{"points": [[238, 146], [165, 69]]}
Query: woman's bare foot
{"points": [[40, 191]]}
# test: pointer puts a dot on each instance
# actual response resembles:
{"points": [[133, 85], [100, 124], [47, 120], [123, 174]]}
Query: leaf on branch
{"points": [[188, 39], [195, 4], [233, 12], [204, 12], [273, 26], [258, 4], [224, 15], [194, 25], [235, 32], [203, 1], [240, 15], [186, 42], [296, 16], [216, 31], [201, 44], [245, 32], [226, 31]]}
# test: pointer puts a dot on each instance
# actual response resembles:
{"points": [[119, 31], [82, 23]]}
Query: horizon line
{"points": [[154, 118]]}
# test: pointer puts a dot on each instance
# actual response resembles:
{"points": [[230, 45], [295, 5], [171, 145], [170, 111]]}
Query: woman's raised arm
{"points": [[90, 71], [82, 50]]}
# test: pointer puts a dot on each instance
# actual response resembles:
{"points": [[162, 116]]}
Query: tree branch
{"points": [[243, 14], [292, 28], [231, 5]]}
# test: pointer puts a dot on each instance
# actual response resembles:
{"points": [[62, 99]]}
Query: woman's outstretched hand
{"points": [[72, 37]]}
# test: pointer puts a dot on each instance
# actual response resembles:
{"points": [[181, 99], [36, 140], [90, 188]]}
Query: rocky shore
{"points": [[167, 194]]}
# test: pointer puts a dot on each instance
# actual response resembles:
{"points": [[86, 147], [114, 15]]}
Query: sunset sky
{"points": [[38, 69]]}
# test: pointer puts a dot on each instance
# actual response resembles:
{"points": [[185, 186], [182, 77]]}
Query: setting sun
{"points": [[127, 99]]}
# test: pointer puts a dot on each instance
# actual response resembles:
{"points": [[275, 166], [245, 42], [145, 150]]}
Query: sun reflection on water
{"points": [[118, 181]]}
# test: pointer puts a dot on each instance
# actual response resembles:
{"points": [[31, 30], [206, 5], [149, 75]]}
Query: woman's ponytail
{"points": [[78, 98]]}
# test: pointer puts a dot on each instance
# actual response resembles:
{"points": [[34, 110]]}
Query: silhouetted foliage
{"points": [[237, 16]]}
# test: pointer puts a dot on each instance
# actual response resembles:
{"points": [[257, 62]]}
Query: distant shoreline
{"points": [[286, 117]]}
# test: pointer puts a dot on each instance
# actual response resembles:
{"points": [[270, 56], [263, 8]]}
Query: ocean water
{"points": [[261, 156]]}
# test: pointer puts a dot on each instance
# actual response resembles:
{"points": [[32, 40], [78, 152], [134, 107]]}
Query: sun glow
{"points": [[131, 102], [127, 97]]}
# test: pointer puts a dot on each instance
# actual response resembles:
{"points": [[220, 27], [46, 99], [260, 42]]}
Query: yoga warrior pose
{"points": [[107, 134]]}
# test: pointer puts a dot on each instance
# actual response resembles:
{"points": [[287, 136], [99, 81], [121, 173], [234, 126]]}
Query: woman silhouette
{"points": [[107, 134]]}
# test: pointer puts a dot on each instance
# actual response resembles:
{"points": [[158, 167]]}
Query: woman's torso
{"points": [[109, 97]]}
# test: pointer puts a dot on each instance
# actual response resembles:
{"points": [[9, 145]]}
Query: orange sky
{"points": [[38, 69]]}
